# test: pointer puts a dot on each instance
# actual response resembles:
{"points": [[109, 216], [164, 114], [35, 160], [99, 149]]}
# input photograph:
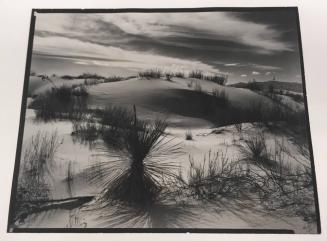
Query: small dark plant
{"points": [[188, 135]]}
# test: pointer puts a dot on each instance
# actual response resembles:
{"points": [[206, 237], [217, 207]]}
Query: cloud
{"points": [[255, 73], [114, 56], [244, 75], [265, 67], [214, 24], [264, 38], [231, 64]]}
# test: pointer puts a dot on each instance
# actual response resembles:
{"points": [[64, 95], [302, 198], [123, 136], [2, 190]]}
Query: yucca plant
{"points": [[137, 174]]}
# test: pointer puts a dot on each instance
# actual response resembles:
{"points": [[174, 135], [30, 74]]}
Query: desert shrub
{"points": [[219, 79], [188, 135], [214, 177], [284, 185], [169, 76], [179, 75], [59, 103], [255, 149], [151, 73], [197, 74]]}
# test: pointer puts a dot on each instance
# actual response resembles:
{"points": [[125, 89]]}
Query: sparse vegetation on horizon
{"points": [[196, 74], [151, 73], [216, 78]]}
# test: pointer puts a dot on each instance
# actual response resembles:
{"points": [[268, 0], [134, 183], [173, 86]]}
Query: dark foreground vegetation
{"points": [[60, 103], [140, 178], [220, 79]]}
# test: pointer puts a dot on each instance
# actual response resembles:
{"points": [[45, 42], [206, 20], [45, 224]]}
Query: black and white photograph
{"points": [[165, 120]]}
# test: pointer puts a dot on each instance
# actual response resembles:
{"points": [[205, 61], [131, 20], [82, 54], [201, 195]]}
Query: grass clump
{"points": [[188, 135], [218, 79], [196, 74], [60, 103], [214, 177], [151, 74], [37, 166], [86, 130], [169, 76], [255, 151], [115, 117]]}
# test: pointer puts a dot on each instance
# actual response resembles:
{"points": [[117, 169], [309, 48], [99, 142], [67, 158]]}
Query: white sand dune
{"points": [[174, 100], [38, 86]]}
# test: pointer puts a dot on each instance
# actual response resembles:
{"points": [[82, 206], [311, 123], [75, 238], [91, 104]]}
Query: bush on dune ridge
{"points": [[59, 103], [196, 74], [216, 78], [151, 73]]}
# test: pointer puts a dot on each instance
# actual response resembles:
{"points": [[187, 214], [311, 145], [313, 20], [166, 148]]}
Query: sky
{"points": [[245, 45]]}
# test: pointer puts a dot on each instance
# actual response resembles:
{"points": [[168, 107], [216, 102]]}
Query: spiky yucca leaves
{"points": [[140, 168]]}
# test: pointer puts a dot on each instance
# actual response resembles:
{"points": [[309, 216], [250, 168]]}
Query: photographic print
{"points": [[164, 120]]}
